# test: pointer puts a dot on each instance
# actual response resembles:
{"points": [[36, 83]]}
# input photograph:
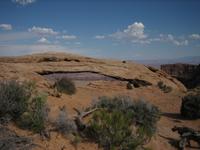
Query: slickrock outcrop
{"points": [[34, 66]]}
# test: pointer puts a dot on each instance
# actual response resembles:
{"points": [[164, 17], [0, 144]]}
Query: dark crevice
{"points": [[91, 75]]}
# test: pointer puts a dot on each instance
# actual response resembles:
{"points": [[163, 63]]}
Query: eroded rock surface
{"points": [[34, 66], [188, 74]]}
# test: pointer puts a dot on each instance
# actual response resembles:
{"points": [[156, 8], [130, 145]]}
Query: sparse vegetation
{"points": [[21, 103], [14, 98], [65, 85], [35, 117], [112, 129], [122, 123], [190, 107], [163, 87]]}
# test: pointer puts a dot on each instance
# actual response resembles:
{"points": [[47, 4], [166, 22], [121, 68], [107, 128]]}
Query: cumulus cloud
{"points": [[195, 36], [43, 40], [134, 33], [99, 37], [6, 26], [24, 2], [42, 31]]}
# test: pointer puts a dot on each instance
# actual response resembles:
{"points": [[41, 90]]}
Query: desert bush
{"points": [[118, 102], [21, 102], [122, 122], [190, 107], [14, 98], [35, 117], [111, 130], [64, 124], [65, 85], [141, 111], [163, 87], [146, 116]]}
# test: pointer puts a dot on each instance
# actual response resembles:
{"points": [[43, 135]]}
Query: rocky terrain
{"points": [[188, 74], [94, 78]]}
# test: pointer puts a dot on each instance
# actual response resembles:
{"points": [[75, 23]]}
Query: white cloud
{"points": [[170, 38], [134, 33], [99, 37], [24, 2], [42, 31], [43, 40], [195, 36], [6, 26]]}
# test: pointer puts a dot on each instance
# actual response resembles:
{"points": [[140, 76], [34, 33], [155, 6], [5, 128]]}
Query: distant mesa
{"points": [[188, 74], [194, 60]]}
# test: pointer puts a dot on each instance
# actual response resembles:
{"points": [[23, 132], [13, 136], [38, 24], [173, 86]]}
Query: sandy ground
{"points": [[168, 103]]}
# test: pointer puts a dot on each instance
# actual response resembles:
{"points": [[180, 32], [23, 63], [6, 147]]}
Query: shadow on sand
{"points": [[175, 116], [175, 142]]}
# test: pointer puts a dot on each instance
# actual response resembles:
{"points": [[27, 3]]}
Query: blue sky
{"points": [[123, 29]]}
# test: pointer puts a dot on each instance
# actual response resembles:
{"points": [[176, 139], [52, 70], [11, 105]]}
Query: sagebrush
{"points": [[37, 114], [65, 85], [14, 98], [21, 102], [122, 123]]}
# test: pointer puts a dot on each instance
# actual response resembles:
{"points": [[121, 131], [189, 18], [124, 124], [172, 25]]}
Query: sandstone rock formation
{"points": [[188, 74], [34, 66]]}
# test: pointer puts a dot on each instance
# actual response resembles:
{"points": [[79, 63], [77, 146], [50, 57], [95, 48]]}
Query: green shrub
{"points": [[14, 98], [65, 85], [163, 87], [113, 125], [111, 130], [190, 107], [21, 102], [34, 118], [118, 102]]}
